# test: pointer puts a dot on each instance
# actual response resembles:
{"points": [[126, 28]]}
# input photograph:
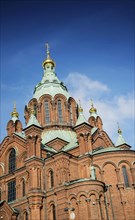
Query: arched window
{"points": [[23, 187], [47, 112], [53, 212], [59, 111], [11, 191], [125, 176], [51, 179], [25, 215], [71, 115], [35, 110], [12, 161]]}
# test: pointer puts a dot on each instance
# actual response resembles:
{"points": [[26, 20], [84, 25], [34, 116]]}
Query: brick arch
{"points": [[109, 162], [10, 128], [101, 193], [50, 212], [71, 196], [52, 202], [7, 156], [34, 100], [125, 162], [72, 111], [82, 193], [92, 121], [50, 178], [110, 167], [46, 96], [93, 192], [98, 174], [128, 166], [71, 99], [24, 213], [99, 122], [60, 96]]}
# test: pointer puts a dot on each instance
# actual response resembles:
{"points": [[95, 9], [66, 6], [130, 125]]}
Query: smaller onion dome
{"points": [[48, 60], [92, 109], [14, 114]]}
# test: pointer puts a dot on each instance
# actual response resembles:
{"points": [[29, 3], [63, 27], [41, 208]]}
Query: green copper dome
{"points": [[50, 84]]}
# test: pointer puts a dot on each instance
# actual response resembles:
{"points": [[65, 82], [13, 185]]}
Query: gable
{"points": [[7, 212], [83, 128], [100, 138], [57, 143]]}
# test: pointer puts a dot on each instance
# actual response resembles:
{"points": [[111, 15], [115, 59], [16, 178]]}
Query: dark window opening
{"points": [[12, 191], [59, 111], [35, 110], [53, 212], [47, 113], [125, 176], [12, 161], [71, 115], [51, 179], [23, 187]]}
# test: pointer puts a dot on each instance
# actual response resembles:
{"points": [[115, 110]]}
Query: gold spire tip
{"points": [[14, 113]]}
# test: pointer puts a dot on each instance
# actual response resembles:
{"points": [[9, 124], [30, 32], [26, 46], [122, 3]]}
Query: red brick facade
{"points": [[63, 164]]}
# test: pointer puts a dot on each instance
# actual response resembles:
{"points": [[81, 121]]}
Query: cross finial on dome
{"points": [[48, 60], [47, 50], [119, 130]]}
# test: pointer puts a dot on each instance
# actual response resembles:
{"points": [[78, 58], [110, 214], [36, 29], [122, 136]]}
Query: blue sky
{"points": [[92, 43]]}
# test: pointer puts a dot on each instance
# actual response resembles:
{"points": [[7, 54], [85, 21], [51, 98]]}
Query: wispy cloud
{"points": [[111, 108], [83, 87]]}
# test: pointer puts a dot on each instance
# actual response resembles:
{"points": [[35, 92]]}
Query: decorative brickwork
{"points": [[61, 164]]}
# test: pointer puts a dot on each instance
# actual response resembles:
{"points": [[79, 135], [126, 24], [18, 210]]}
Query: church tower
{"points": [[61, 166]]}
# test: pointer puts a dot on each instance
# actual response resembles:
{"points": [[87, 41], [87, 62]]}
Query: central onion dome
{"points": [[50, 84]]}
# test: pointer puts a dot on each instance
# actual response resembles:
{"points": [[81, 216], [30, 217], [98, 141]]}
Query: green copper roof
{"points": [[33, 121], [93, 130], [65, 135], [120, 140], [81, 119], [21, 134], [107, 149], [51, 85], [94, 114]]}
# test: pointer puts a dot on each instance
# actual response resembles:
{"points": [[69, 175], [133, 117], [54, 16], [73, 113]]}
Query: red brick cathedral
{"points": [[62, 166]]}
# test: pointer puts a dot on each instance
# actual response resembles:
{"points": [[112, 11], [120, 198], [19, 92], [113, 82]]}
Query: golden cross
{"points": [[14, 105], [91, 102], [47, 47]]}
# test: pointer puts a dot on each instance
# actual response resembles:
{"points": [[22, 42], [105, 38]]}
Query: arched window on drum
{"points": [[47, 112], [125, 177], [60, 119]]}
